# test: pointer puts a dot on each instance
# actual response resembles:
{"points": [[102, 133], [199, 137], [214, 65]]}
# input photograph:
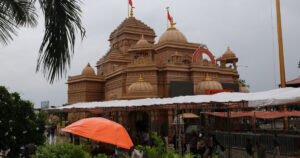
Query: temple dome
{"points": [[172, 35], [140, 87], [88, 70], [228, 54], [208, 84], [142, 43], [244, 89]]}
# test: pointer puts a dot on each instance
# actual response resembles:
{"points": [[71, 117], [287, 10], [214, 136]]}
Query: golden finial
{"points": [[142, 37], [131, 12], [207, 78], [228, 48], [140, 78]]}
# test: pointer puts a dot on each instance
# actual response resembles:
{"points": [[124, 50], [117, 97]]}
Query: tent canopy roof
{"points": [[256, 99]]}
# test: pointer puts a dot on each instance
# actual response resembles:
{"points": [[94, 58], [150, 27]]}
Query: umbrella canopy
{"points": [[102, 130], [189, 115]]}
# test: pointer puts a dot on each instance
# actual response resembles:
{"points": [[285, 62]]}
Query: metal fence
{"points": [[289, 144]]}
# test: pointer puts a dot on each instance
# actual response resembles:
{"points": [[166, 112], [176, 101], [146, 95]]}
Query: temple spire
{"points": [[131, 8]]}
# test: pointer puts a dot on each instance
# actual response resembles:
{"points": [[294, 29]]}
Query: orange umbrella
{"points": [[102, 130]]}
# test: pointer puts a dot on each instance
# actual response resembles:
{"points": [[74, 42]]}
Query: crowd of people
{"points": [[200, 144]]}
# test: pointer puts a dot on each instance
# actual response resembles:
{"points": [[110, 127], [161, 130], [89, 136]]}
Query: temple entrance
{"points": [[138, 126]]}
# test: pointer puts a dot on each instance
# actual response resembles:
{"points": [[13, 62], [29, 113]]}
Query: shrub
{"points": [[65, 150]]}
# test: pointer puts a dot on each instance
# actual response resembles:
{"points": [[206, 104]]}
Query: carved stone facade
{"points": [[134, 53]]}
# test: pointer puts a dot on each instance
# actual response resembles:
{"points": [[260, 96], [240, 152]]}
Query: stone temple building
{"points": [[136, 66]]}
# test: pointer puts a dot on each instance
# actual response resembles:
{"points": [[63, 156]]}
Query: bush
{"points": [[158, 150], [65, 150]]}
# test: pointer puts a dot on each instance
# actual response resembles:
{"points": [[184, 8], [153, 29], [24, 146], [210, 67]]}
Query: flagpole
{"points": [[167, 16], [281, 58]]}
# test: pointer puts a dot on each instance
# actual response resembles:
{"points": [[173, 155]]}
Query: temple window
{"points": [[186, 62]]}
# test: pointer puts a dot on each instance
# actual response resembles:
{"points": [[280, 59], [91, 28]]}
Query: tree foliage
{"points": [[19, 124], [62, 22], [299, 65], [243, 83]]}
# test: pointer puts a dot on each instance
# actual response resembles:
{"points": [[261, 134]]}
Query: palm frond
{"points": [[62, 21], [13, 14], [7, 28], [23, 12]]}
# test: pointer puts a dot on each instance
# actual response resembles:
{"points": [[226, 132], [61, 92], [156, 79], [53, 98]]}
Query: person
{"points": [[276, 145], [193, 142], [294, 128], [200, 145], [116, 152], [52, 134], [260, 150], [210, 145], [219, 148], [249, 148], [146, 138]]}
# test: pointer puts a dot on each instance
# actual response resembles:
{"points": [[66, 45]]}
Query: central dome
{"points": [[172, 35], [140, 87]]}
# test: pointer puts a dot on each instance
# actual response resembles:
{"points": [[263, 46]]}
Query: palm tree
{"points": [[62, 22]]}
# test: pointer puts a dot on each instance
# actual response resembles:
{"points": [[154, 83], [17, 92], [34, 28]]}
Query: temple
{"points": [[136, 66]]}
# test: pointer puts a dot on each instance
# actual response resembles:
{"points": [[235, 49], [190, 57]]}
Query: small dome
{"points": [[140, 87], [172, 35], [228, 54], [208, 84], [88, 70], [244, 89], [142, 43]]}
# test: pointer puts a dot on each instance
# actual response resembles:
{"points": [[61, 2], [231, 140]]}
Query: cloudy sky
{"points": [[247, 26]]}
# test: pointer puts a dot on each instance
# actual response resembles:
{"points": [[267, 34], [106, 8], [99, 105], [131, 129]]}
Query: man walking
{"points": [[276, 145]]}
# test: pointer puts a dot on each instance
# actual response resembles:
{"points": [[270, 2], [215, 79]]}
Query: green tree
{"points": [[299, 65], [62, 22], [243, 83], [19, 124]]}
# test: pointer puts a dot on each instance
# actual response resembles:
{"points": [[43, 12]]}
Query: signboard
{"points": [[44, 104]]}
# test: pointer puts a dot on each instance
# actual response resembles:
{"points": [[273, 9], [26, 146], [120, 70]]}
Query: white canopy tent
{"points": [[256, 99]]}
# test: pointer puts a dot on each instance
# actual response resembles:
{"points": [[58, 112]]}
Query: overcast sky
{"points": [[247, 26]]}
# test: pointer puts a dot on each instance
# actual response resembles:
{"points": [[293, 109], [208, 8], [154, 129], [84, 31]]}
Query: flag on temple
{"points": [[130, 3], [169, 16]]}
